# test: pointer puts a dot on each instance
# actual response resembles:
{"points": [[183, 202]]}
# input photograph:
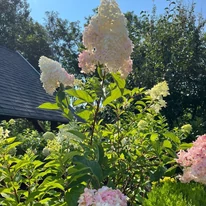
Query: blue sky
{"points": [[74, 10]]}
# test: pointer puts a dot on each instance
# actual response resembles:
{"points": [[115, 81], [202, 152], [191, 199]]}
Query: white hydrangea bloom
{"points": [[107, 42], [4, 133], [187, 128], [157, 93], [48, 136], [159, 90], [46, 151], [53, 74]]}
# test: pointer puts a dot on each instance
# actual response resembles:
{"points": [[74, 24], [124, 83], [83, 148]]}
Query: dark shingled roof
{"points": [[21, 90]]}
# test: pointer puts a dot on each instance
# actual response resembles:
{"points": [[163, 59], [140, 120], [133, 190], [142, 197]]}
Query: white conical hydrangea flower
{"points": [[53, 74], [159, 90], [107, 42], [157, 93]]}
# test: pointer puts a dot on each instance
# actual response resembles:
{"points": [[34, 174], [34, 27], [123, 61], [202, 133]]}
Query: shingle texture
{"points": [[21, 91]]}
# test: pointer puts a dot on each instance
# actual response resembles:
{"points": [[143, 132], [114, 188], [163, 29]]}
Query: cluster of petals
{"points": [[102, 197], [107, 42], [187, 128], [159, 90], [52, 74], [4, 133], [194, 161], [157, 93]]}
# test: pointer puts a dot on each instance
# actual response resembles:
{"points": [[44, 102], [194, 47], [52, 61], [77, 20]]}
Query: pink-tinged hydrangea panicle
{"points": [[53, 74], [102, 197], [194, 161], [87, 62], [107, 42]]}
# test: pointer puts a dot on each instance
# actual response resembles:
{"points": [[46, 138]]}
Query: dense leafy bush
{"points": [[169, 192], [24, 132], [128, 153]]}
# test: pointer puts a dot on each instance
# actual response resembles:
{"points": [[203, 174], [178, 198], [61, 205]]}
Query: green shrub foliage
{"points": [[171, 192]]}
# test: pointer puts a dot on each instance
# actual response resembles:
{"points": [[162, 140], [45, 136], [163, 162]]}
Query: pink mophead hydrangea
{"points": [[194, 161], [102, 197]]}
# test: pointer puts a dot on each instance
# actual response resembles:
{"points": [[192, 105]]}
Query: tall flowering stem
{"points": [[107, 44], [97, 109]]}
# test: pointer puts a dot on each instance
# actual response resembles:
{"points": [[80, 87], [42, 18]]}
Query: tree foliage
{"points": [[171, 47], [13, 16], [65, 38], [58, 39], [19, 32]]}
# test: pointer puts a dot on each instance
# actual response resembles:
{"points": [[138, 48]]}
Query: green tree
{"points": [[172, 47], [65, 38], [13, 16], [19, 32], [34, 42]]}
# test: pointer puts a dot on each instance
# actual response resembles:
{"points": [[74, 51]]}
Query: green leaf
{"points": [[167, 144], [79, 179], [72, 196], [141, 103], [99, 71], [158, 173], [37, 163], [119, 81], [135, 91], [115, 94], [171, 152], [93, 165], [49, 106], [171, 171], [52, 163], [50, 183], [78, 171], [154, 137], [21, 164], [85, 114], [10, 140], [84, 96], [78, 102], [68, 156], [185, 146], [126, 91], [81, 94], [78, 134], [45, 200], [100, 153], [60, 96], [172, 137], [13, 145]]}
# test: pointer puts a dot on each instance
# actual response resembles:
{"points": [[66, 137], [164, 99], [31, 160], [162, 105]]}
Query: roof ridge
{"points": [[27, 62], [17, 52]]}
